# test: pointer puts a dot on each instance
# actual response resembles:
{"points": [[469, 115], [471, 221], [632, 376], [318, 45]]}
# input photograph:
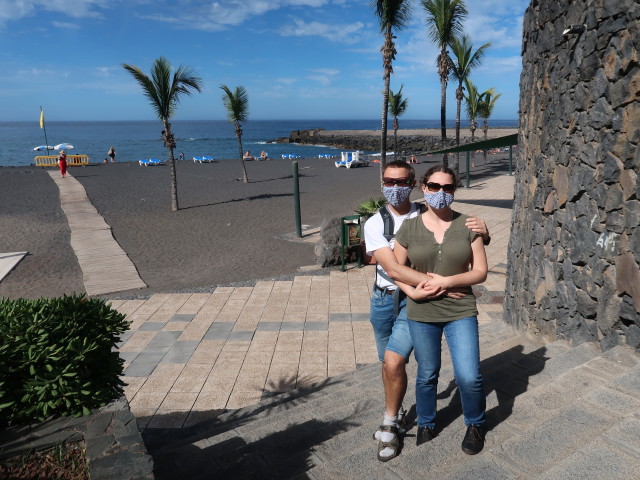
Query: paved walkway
{"points": [[106, 268], [191, 356]]}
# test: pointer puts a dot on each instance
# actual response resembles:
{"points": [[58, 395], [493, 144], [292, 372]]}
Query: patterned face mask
{"points": [[396, 195], [439, 199]]}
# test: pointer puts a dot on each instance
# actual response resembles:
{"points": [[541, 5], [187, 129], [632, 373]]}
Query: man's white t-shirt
{"points": [[374, 237]]}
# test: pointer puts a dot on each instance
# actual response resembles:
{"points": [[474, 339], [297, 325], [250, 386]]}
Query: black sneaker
{"points": [[473, 440], [424, 435]]}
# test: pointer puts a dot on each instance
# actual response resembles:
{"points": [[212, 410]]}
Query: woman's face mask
{"points": [[439, 199], [396, 195]]}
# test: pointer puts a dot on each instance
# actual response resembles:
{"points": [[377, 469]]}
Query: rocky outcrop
{"points": [[354, 141], [574, 253]]}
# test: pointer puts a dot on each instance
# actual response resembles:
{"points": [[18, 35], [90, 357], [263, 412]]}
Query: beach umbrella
{"points": [[43, 147], [63, 146]]}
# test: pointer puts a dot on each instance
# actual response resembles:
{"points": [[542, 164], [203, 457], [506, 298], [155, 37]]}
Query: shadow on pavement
{"points": [[506, 373]]}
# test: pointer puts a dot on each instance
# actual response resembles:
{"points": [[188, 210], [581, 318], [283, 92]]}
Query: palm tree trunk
{"points": [[387, 56], [444, 74], [383, 129], [486, 130], [459, 97], [245, 179], [473, 138], [395, 139], [172, 162]]}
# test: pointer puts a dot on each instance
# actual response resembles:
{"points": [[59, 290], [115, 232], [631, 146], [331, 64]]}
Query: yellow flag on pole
{"points": [[41, 118]]}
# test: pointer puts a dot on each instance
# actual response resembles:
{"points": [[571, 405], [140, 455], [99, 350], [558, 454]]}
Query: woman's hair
{"points": [[439, 168]]}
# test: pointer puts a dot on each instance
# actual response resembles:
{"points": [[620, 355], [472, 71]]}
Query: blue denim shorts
{"points": [[391, 333]]}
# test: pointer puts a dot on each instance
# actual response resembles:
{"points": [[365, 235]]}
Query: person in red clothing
{"points": [[62, 163]]}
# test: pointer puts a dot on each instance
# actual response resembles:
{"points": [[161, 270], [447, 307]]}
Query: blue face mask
{"points": [[396, 195], [439, 199]]}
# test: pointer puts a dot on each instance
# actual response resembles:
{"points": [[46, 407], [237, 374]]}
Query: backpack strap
{"points": [[388, 222]]}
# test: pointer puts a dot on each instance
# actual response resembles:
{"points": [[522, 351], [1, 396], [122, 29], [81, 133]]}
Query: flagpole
{"points": [[46, 142]]}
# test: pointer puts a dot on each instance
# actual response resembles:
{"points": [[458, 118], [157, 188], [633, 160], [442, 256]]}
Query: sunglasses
{"points": [[400, 182], [435, 187]]}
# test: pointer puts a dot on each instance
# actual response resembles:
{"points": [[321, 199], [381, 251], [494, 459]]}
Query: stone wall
{"points": [[575, 245]]}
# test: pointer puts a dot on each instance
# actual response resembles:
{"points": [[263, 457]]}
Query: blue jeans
{"points": [[462, 338], [391, 332]]}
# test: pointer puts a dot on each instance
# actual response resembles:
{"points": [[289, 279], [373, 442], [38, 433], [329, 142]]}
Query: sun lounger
{"points": [[150, 161], [290, 155], [351, 159], [325, 155], [205, 159]]}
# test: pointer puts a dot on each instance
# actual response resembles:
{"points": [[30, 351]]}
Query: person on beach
{"points": [[112, 154], [62, 163], [413, 159], [387, 310], [438, 244], [247, 155], [181, 156]]}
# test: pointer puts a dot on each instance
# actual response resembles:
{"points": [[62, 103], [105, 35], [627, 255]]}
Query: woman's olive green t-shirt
{"points": [[448, 258]]}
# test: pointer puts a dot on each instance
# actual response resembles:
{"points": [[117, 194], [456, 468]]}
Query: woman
{"points": [[62, 163], [438, 243], [112, 154]]}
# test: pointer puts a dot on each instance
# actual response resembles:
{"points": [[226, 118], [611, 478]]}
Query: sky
{"points": [[298, 59]]}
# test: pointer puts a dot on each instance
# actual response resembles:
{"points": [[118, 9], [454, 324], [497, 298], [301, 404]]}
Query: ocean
{"points": [[135, 140]]}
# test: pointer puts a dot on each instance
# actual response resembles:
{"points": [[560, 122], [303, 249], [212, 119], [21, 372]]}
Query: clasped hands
{"points": [[435, 286]]}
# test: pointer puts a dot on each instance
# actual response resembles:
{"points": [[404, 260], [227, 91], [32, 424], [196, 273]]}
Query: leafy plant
{"points": [[57, 357], [370, 207]]}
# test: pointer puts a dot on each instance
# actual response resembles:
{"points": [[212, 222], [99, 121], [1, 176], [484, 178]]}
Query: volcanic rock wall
{"points": [[574, 252]]}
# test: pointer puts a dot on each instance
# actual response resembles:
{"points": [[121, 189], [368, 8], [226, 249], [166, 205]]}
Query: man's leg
{"points": [[396, 356]]}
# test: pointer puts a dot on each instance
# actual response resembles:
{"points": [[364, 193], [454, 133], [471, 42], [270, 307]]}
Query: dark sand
{"points": [[225, 231]]}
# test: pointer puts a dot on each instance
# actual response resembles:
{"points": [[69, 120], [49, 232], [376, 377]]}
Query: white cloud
{"points": [[224, 14], [106, 72], [323, 76], [344, 33], [65, 25]]}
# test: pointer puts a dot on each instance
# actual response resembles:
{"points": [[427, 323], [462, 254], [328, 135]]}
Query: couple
{"points": [[446, 252]]}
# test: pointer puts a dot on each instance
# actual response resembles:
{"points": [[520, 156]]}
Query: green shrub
{"points": [[370, 207], [57, 358]]}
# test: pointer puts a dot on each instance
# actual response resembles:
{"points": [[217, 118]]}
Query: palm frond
{"points": [[463, 59], [236, 103], [444, 20], [392, 13], [397, 105], [164, 90]]}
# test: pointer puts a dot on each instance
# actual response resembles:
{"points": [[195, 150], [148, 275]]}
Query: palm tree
{"points": [[489, 98], [392, 15], [444, 22], [237, 105], [164, 92], [397, 108], [473, 100], [460, 68]]}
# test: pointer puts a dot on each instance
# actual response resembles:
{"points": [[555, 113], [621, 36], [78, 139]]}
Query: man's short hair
{"points": [[401, 164]]}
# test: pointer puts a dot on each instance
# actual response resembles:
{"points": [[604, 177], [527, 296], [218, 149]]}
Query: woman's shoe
{"points": [[473, 441], [424, 435]]}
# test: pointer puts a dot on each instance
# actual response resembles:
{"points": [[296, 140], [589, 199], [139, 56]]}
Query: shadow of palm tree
{"points": [[179, 452], [263, 196]]}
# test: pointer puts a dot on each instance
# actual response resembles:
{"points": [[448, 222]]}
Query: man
{"points": [[388, 311]]}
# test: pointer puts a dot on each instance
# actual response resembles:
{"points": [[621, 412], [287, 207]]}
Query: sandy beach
{"points": [[225, 231]]}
